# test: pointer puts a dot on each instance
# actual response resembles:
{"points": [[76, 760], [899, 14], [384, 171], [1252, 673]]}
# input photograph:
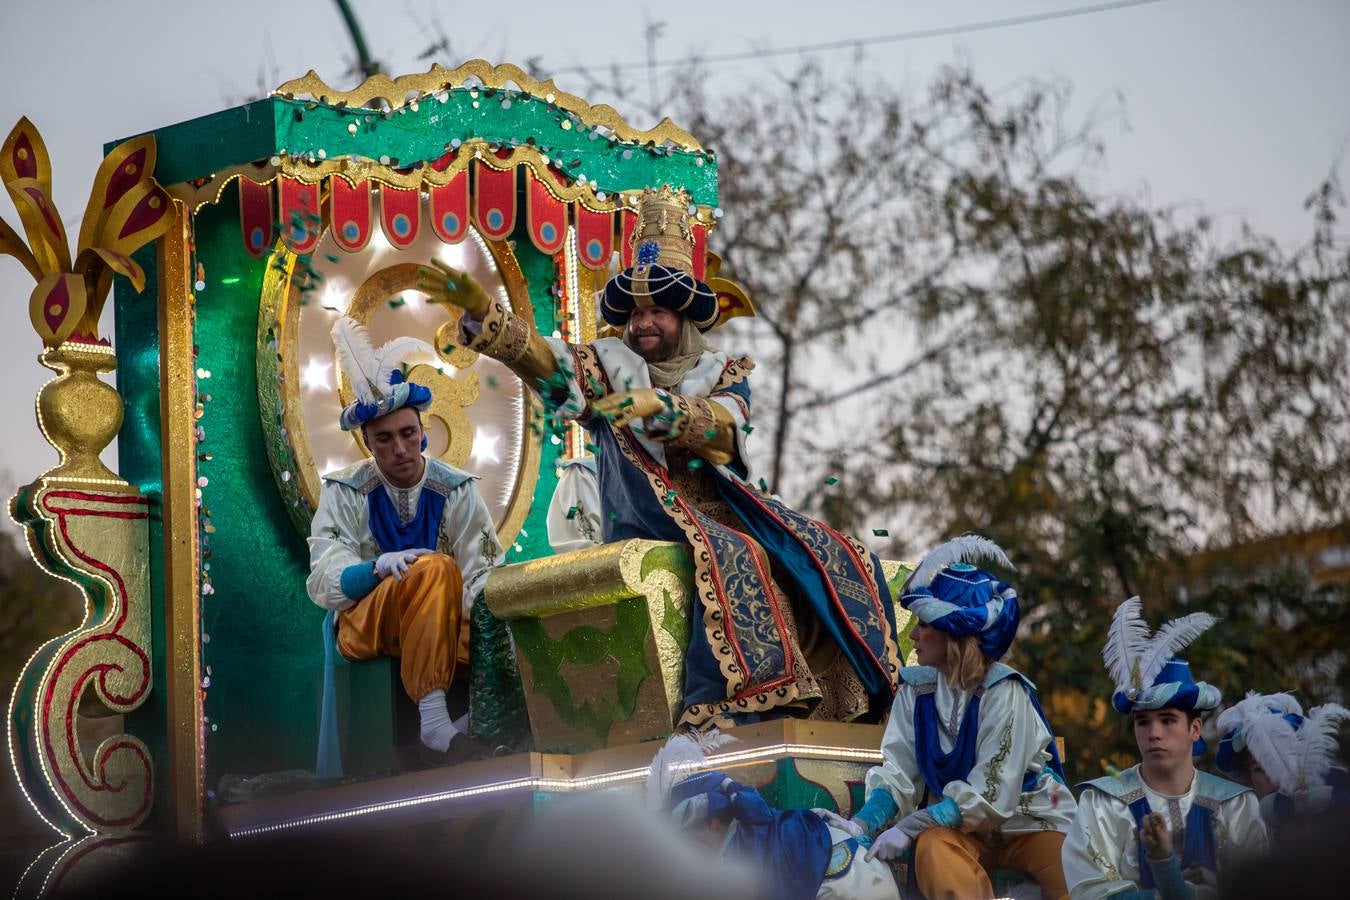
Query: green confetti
{"points": [[492, 382], [1113, 771], [763, 486], [747, 428], [710, 433], [881, 532], [571, 512], [397, 302], [696, 463], [831, 481], [614, 517]]}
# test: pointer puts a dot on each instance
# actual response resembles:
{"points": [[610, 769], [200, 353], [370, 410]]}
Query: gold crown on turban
{"points": [[663, 220]]}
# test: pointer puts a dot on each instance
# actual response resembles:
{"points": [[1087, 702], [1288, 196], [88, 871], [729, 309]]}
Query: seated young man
{"points": [[970, 768], [1161, 828], [1287, 758], [400, 544], [798, 854]]}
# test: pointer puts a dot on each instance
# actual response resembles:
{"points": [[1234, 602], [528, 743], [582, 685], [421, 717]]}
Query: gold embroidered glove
{"points": [[624, 407], [442, 284]]}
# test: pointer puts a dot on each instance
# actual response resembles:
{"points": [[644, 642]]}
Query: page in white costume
{"points": [[1012, 741], [574, 521], [1101, 854], [340, 533]]}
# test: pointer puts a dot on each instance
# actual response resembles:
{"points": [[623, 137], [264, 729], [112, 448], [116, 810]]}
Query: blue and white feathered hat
{"points": [[1296, 751], [1265, 724], [1143, 666], [678, 783], [949, 593], [376, 375]]}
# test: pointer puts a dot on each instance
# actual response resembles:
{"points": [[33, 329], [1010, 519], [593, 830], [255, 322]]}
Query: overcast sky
{"points": [[1236, 106]]}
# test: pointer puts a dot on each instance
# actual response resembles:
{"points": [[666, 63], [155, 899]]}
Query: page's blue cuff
{"points": [[1167, 879], [879, 809], [1135, 895], [947, 814], [358, 580]]}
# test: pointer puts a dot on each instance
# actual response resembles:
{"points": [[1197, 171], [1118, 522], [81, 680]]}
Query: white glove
{"points": [[890, 844], [838, 821], [396, 562]]}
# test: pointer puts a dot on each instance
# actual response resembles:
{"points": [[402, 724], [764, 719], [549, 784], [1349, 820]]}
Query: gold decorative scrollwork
{"points": [[85, 525], [405, 89]]}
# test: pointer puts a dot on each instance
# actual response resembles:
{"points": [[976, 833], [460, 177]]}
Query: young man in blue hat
{"points": [[1286, 757], [1161, 828], [400, 545], [790, 617], [970, 770]]}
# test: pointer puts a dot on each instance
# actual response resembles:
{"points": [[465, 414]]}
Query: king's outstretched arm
{"points": [[697, 424], [490, 327]]}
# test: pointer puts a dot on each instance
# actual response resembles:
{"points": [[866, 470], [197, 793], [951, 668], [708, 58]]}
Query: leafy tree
{"points": [[1105, 387]]}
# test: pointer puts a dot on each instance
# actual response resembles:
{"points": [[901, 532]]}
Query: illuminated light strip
{"points": [[577, 439], [14, 697], [91, 349], [565, 785], [24, 877], [57, 865]]}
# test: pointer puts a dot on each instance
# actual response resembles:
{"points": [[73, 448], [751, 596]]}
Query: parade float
{"points": [[230, 243]]}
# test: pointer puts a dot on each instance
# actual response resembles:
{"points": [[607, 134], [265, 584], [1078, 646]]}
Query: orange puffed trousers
{"points": [[950, 864], [417, 619]]}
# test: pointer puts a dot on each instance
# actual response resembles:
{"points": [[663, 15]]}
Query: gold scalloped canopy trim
{"points": [[400, 91], [422, 175]]}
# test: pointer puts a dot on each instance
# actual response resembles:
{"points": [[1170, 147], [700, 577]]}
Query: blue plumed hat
{"points": [[375, 375], [955, 597], [1265, 724], [662, 273], [1146, 673]]}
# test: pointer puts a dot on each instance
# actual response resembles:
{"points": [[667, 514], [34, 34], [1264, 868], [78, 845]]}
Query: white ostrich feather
{"points": [[1274, 743], [390, 356], [356, 356], [968, 548], [1171, 639], [1254, 704], [1126, 642], [685, 753], [1134, 655], [368, 369], [1318, 743]]}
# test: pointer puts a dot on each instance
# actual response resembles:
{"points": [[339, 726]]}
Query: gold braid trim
{"points": [[693, 420], [505, 336], [515, 340], [1107, 867], [703, 715], [489, 337], [993, 769]]}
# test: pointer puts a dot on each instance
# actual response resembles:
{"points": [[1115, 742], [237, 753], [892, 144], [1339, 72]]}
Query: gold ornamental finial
{"points": [[127, 209], [663, 235]]}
